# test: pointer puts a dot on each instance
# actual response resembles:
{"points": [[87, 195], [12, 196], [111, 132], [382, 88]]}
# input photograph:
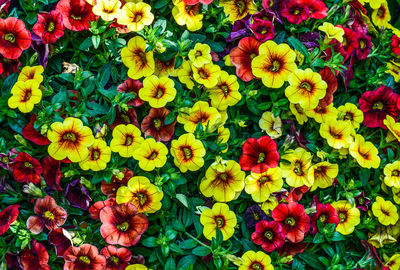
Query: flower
{"points": [[154, 124], [337, 133], [293, 219], [135, 15], [135, 57], [69, 139], [84, 257], [122, 224], [225, 93], [31, 73], [296, 172], [188, 15], [242, 56], [76, 14], [268, 235], [77, 195], [322, 114], [14, 37], [108, 10], [322, 174], [395, 45], [381, 15], [201, 113], [349, 217], [24, 95], [132, 87], [306, 88], [365, 153], [188, 153], [136, 266], [261, 185], [253, 215], [125, 139], [394, 262], [381, 237], [35, 257], [49, 26], [392, 174], [325, 213], [98, 157], [7, 216], [95, 209], [362, 202], [207, 74], [158, 91], [218, 217], [200, 55], [30, 133], [393, 127], [331, 32], [274, 64], [255, 260], [61, 239], [118, 180], [271, 125], [185, 74], [263, 29], [238, 9], [124, 117], [394, 70], [316, 9], [151, 154], [299, 113], [223, 182], [143, 194], [350, 112], [48, 214], [385, 211], [26, 169], [329, 77], [295, 11], [117, 258]]}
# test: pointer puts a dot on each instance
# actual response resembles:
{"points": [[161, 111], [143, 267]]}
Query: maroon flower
{"points": [[30, 133], [291, 249], [117, 258], [296, 194], [76, 14], [316, 8], [395, 45], [154, 125], [95, 209], [61, 239], [125, 117], [13, 261], [10, 66], [362, 202], [329, 77], [35, 258], [364, 46], [110, 189], [26, 169], [85, 257], [14, 37], [7, 217], [326, 214], [132, 87], [295, 11], [52, 173], [263, 30], [268, 235], [77, 195], [49, 26], [349, 45]]}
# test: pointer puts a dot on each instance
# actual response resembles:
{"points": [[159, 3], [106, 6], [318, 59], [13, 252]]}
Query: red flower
{"points": [[76, 14], [296, 194], [7, 217], [295, 222], [26, 169], [110, 189], [154, 125], [125, 117], [259, 154], [48, 214], [295, 11], [49, 26], [268, 235], [52, 173], [364, 46], [30, 133], [122, 224], [117, 258], [14, 38], [95, 209], [242, 55], [1, 69], [350, 43], [9, 66], [395, 45], [61, 239], [194, 2], [329, 77], [35, 258], [326, 214], [85, 257], [377, 104], [291, 249], [317, 9], [263, 30], [132, 87]]}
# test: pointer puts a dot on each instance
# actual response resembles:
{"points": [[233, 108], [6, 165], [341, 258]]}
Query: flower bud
{"points": [[33, 190]]}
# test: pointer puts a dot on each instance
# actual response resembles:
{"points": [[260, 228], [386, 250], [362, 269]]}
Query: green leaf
{"points": [[170, 265], [201, 251], [188, 244], [149, 242], [311, 260], [183, 199], [186, 262], [97, 109], [103, 76], [298, 46]]}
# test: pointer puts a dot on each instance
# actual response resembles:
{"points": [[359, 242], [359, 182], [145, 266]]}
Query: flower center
{"points": [[138, 17], [306, 86], [188, 152], [114, 259], [269, 235], [142, 56], [241, 5], [77, 18], [261, 157], [290, 221], [128, 140], [70, 136], [256, 266], [378, 105], [298, 168], [296, 11], [322, 218], [157, 123], [153, 155], [95, 154], [160, 92], [27, 95], [276, 65], [142, 198], [342, 217], [9, 37], [28, 165], [123, 227], [348, 116], [51, 27], [49, 215], [225, 89], [198, 53], [361, 200], [220, 222], [395, 173], [223, 177], [381, 12], [5, 160], [256, 216], [203, 74], [253, 55], [84, 259], [133, 93], [263, 179], [362, 44]]}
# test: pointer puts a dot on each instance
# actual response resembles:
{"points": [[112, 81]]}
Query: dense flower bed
{"points": [[199, 134]]}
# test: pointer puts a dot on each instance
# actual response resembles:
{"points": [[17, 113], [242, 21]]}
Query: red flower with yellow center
{"points": [[26, 169], [326, 214], [268, 235], [76, 14], [121, 179], [242, 55], [117, 258], [154, 125], [14, 37], [7, 217], [49, 26], [132, 87], [85, 257], [34, 258]]}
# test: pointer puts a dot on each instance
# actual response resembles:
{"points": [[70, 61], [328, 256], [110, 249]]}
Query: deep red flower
{"points": [[326, 214], [49, 26], [268, 235], [12, 261], [7, 217], [35, 258], [76, 14], [349, 45], [395, 45], [85, 257], [242, 55], [125, 117], [95, 209], [122, 224], [117, 258], [14, 38], [295, 11], [329, 77], [52, 173], [291, 249], [30, 133], [48, 214], [296, 194], [258, 155], [110, 189], [316, 8], [10, 66], [154, 125], [1, 69], [377, 104], [194, 2], [364, 46], [294, 220], [26, 169], [132, 87], [263, 30], [61, 239]]}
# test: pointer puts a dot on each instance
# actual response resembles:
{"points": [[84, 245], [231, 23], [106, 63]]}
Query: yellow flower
{"points": [[188, 152], [223, 183], [200, 55], [158, 91], [98, 157], [394, 262], [393, 127], [31, 73], [135, 57], [227, 61], [296, 172], [256, 260], [143, 194], [381, 15], [392, 174], [24, 95], [207, 74], [238, 9], [108, 10], [223, 137], [136, 267], [331, 32], [349, 217], [165, 68], [385, 211], [187, 15], [323, 174], [185, 74], [350, 112], [274, 64], [322, 114], [226, 92], [135, 16], [200, 113], [365, 153], [338, 133], [306, 88], [151, 154], [381, 238], [299, 113], [271, 124], [261, 185], [69, 139], [396, 195], [126, 138], [393, 70], [269, 204], [218, 217]]}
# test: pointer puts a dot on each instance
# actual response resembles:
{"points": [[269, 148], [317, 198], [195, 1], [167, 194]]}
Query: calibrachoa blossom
{"points": [[36, 257], [84, 257], [14, 37], [26, 169], [7, 217], [268, 235], [256, 260], [219, 216], [49, 26]]}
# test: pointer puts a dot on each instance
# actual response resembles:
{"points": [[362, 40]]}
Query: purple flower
{"points": [[6, 159], [310, 39], [77, 195], [240, 29], [42, 50], [362, 202], [253, 215]]}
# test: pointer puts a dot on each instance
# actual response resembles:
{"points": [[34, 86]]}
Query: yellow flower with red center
{"points": [[381, 15], [135, 16], [299, 113], [394, 262], [261, 185], [392, 174], [350, 112], [226, 92], [188, 152], [349, 216], [126, 138], [207, 74], [136, 266], [151, 154], [337, 133], [271, 124], [24, 95], [98, 157], [200, 113], [256, 261], [322, 114], [188, 15], [185, 74], [143, 194], [394, 70], [385, 211], [200, 55], [218, 217], [108, 10], [238, 9], [274, 64], [323, 174], [393, 127], [365, 153], [306, 88], [296, 172], [69, 139], [31, 73], [135, 57], [158, 91], [223, 181]]}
